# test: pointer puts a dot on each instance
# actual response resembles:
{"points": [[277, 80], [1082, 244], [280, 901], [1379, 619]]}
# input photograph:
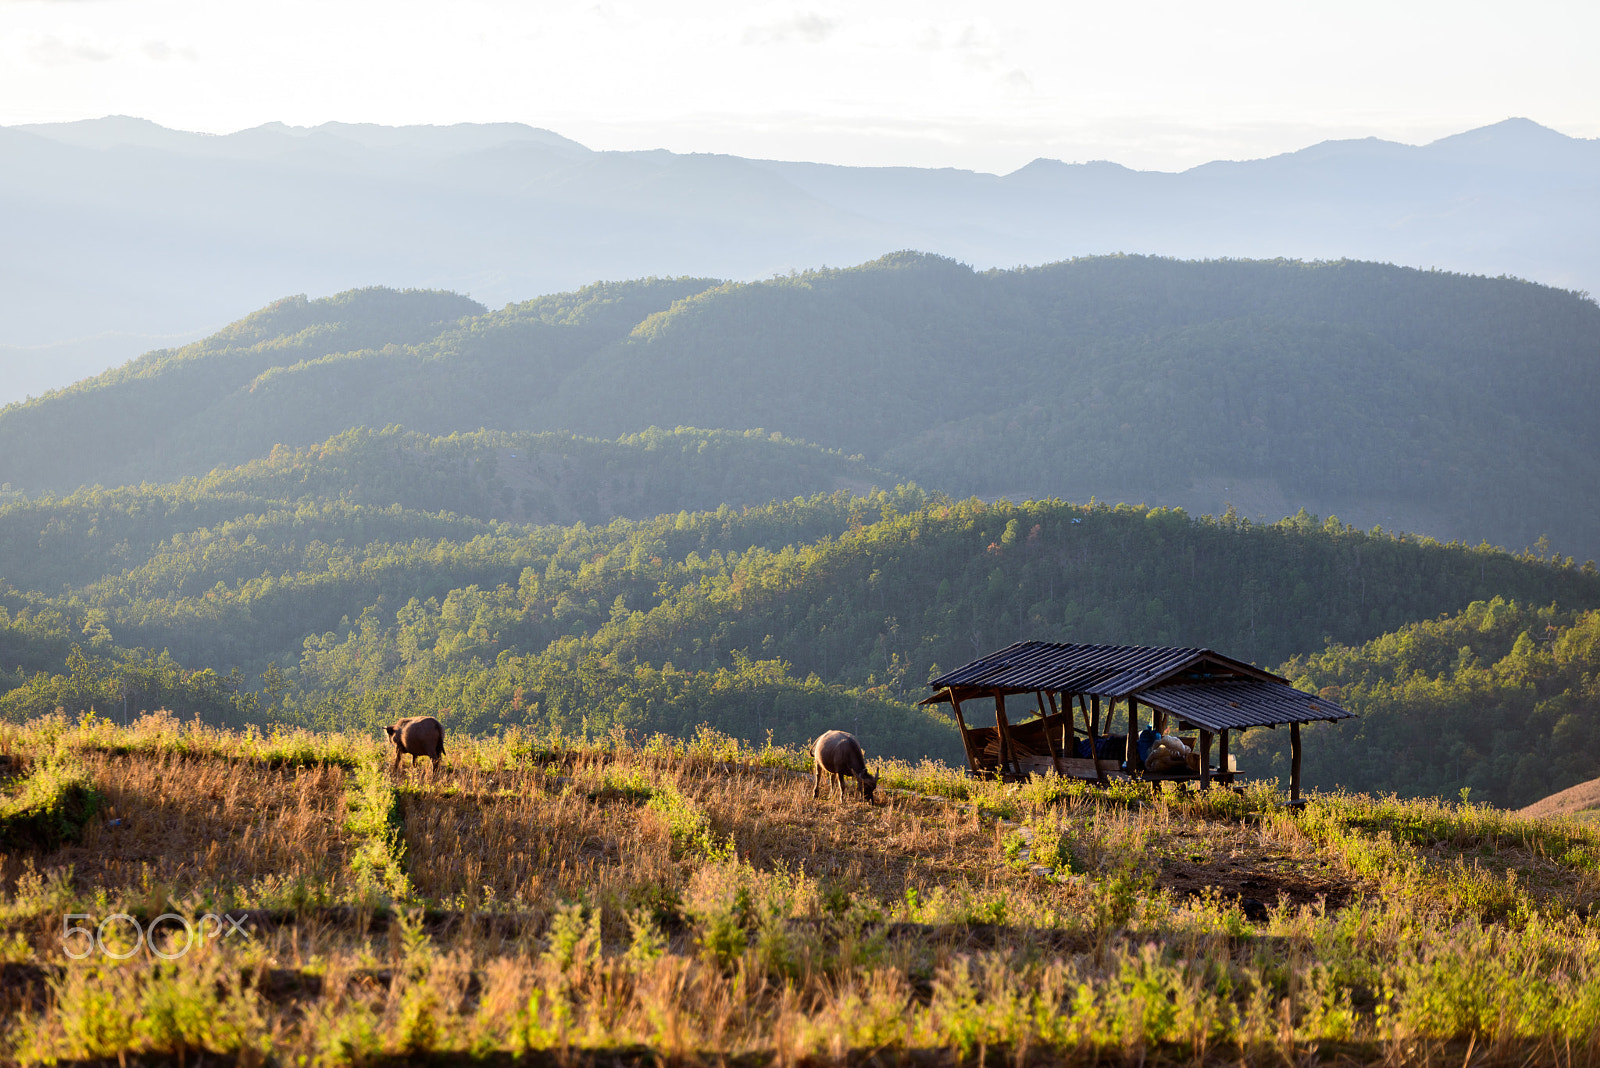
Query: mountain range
{"points": [[122, 235]]}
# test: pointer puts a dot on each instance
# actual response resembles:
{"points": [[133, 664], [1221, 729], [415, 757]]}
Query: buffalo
{"points": [[839, 754], [420, 736]]}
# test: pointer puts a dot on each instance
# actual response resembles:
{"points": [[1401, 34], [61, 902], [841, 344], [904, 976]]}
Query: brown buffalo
{"points": [[419, 736], [839, 754]]}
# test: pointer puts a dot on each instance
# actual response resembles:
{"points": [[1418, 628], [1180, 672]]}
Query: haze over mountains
{"points": [[122, 235]]}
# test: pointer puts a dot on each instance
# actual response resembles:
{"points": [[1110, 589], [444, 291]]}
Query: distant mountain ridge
{"points": [[1454, 406], [120, 225], [123, 131], [548, 478]]}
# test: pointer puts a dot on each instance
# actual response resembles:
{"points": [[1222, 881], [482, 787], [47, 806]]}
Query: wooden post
{"points": [[1094, 739], [1294, 762], [1069, 733], [1131, 743], [966, 743], [1003, 729], [1205, 759], [1222, 758], [1066, 721], [1044, 725]]}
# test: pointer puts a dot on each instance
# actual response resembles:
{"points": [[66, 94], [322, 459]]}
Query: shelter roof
{"points": [[1197, 685], [1232, 704], [1101, 670]]}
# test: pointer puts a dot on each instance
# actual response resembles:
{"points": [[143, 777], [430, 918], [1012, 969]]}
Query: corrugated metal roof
{"points": [[1103, 670], [1212, 691], [1231, 704]]}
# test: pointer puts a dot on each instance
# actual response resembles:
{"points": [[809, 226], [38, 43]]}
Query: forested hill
{"points": [[780, 617], [1453, 405], [1502, 699], [394, 485], [546, 478]]}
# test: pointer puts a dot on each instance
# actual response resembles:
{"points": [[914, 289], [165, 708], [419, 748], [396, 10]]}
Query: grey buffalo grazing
{"points": [[421, 736], [839, 754]]}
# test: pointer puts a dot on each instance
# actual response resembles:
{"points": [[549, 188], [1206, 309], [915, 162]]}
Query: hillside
{"points": [[549, 478], [1573, 801], [632, 902], [1501, 699], [820, 582], [186, 411], [776, 617], [395, 486], [1452, 405]]}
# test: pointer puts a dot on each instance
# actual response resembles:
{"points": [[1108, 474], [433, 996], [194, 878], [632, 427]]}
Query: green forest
{"points": [[775, 620], [1347, 388], [1501, 699], [338, 512]]}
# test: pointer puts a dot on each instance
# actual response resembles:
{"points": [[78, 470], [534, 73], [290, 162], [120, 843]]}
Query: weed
{"points": [[574, 938], [49, 807], [646, 941]]}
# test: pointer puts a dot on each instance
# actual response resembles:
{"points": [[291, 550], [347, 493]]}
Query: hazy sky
{"points": [[988, 86]]}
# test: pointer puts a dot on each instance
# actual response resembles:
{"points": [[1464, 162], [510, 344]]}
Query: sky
{"points": [[986, 86]]}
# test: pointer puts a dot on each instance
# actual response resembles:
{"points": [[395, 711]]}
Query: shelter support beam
{"points": [[961, 723], [1002, 726], [1130, 750], [1205, 760], [1044, 725], [1094, 738], [1294, 762]]}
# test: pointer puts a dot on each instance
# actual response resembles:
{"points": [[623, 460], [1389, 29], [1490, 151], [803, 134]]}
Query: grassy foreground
{"points": [[660, 901]]}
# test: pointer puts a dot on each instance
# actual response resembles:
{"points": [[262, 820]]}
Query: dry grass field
{"points": [[527, 840], [200, 826], [691, 903]]}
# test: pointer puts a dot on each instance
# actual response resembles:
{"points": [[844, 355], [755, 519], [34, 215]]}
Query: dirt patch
{"points": [[1252, 864], [1265, 883]]}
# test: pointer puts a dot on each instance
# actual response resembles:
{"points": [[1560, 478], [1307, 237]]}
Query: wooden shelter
{"points": [[1201, 690]]}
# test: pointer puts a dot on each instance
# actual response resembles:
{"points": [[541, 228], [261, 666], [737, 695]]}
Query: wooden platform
{"points": [[1084, 768], [1073, 767]]}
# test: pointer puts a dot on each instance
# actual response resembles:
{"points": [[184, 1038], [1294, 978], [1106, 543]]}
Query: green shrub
{"points": [[50, 807]]}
